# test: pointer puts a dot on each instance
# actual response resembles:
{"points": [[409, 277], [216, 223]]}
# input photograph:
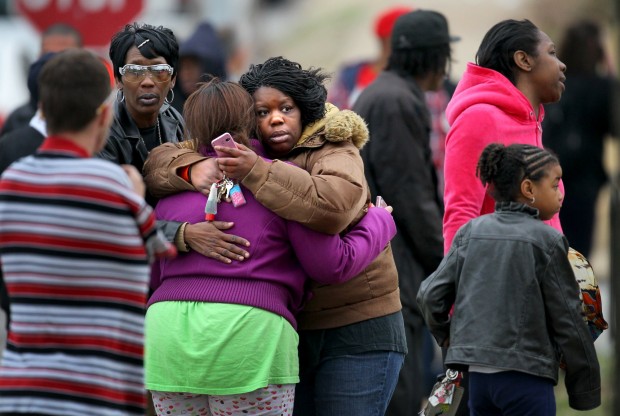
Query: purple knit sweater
{"points": [[283, 254]]}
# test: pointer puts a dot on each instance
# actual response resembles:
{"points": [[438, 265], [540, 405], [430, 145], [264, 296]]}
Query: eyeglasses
{"points": [[137, 73]]}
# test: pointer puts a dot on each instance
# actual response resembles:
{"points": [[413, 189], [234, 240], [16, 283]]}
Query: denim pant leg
{"points": [[357, 384]]}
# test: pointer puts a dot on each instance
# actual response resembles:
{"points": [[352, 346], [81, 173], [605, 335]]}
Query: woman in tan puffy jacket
{"points": [[352, 341]]}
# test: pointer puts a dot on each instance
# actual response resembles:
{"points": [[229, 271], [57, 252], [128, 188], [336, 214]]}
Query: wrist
{"points": [[179, 239]]}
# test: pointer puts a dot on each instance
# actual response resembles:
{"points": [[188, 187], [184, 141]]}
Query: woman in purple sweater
{"points": [[221, 337]]}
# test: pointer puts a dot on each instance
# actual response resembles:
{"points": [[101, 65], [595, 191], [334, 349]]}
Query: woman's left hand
{"points": [[238, 162]]}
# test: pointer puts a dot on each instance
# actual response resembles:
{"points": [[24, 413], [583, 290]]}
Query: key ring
{"points": [[452, 374]]}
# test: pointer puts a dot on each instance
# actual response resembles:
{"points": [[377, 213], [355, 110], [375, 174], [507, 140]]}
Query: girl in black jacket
{"points": [[516, 302]]}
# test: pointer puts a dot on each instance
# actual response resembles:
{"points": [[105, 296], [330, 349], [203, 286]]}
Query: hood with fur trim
{"points": [[335, 126]]}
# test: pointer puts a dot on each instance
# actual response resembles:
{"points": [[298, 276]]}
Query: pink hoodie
{"points": [[486, 108]]}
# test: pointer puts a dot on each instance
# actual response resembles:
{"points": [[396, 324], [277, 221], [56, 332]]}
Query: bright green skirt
{"points": [[217, 348]]}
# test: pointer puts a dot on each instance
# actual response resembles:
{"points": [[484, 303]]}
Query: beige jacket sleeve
{"points": [[326, 191], [160, 169]]}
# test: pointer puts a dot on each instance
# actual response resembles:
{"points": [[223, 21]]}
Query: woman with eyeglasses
{"points": [[144, 59]]}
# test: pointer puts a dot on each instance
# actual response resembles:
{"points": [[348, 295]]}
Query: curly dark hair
{"points": [[161, 42], [503, 168], [304, 86]]}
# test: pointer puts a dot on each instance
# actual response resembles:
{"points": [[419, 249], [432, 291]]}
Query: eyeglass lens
{"points": [[158, 73]]}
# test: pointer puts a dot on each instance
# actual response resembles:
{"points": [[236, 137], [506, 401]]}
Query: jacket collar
{"points": [[336, 126], [130, 130], [516, 207], [60, 146]]}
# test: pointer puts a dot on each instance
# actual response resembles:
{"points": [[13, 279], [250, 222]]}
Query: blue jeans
{"points": [[356, 384], [510, 393]]}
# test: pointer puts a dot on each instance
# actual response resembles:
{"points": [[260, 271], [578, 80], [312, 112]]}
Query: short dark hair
{"points": [[161, 42], [217, 107], [304, 86], [63, 29], [420, 61], [503, 168], [72, 86], [500, 43]]}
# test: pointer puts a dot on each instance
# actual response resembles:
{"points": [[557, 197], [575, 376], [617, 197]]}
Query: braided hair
{"points": [[304, 86], [503, 168]]}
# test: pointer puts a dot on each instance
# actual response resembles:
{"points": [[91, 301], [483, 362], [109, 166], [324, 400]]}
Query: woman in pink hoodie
{"points": [[499, 99]]}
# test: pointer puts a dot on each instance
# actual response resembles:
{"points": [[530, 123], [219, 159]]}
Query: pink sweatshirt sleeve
{"points": [[331, 259]]}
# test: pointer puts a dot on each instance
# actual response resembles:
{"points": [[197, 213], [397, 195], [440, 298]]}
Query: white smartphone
{"points": [[225, 140], [380, 202]]}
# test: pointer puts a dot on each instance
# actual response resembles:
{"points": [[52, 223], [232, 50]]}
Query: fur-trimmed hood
{"points": [[336, 126]]}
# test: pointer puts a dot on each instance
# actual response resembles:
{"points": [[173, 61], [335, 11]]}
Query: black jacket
{"points": [[516, 302], [20, 142], [398, 166], [124, 145]]}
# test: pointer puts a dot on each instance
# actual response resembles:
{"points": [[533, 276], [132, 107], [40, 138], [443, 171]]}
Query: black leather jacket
{"points": [[516, 302], [124, 145]]}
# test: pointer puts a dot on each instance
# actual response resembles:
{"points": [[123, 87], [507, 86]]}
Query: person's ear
{"points": [[527, 189], [173, 81], [523, 61], [104, 115], [118, 82]]}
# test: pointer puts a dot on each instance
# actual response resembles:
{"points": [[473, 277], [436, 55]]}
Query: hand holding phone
{"points": [[225, 140]]}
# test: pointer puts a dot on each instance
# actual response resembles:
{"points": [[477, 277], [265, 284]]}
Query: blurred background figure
{"points": [[236, 53], [576, 127], [394, 107], [25, 139], [201, 57], [18, 143], [352, 78], [56, 38]]}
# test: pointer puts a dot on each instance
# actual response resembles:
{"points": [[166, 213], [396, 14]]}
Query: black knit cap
{"points": [[421, 29]]}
